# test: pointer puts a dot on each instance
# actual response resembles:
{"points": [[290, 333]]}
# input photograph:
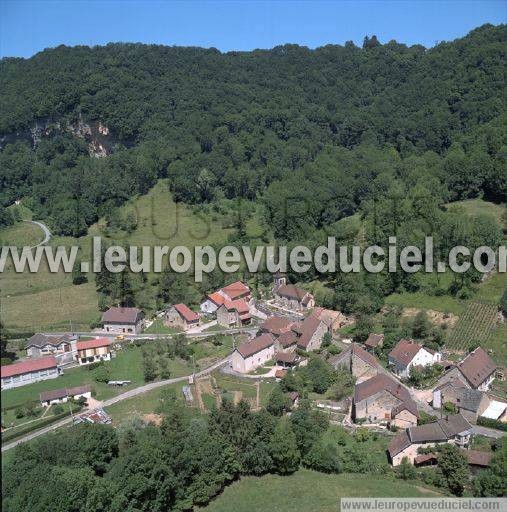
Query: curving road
{"points": [[115, 399], [45, 229]]}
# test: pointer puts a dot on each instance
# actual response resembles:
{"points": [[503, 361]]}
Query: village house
{"points": [[26, 372], [309, 333], [123, 320], [230, 293], [181, 316], [360, 363], [292, 297], [58, 396], [294, 398], [233, 314], [471, 403], [41, 345], [333, 319], [211, 303], [384, 400], [373, 341], [92, 351], [478, 369], [475, 371], [254, 353], [407, 354], [453, 429]]}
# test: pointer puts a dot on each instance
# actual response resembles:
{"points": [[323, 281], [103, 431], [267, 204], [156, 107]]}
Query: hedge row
{"points": [[487, 422], [14, 433]]}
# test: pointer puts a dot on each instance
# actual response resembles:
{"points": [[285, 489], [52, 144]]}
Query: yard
{"points": [[308, 490], [125, 366]]}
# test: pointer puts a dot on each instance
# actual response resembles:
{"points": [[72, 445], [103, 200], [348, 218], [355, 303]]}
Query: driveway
{"points": [[45, 229]]}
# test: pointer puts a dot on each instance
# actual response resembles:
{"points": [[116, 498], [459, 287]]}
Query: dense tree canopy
{"points": [[315, 132]]}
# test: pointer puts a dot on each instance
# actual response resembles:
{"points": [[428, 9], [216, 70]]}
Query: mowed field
{"points": [[307, 490], [49, 301]]}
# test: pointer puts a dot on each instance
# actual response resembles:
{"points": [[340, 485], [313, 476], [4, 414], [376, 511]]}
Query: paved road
{"points": [[249, 330], [47, 233], [106, 403], [488, 432]]}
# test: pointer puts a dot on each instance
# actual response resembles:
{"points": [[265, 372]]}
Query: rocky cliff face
{"points": [[100, 140]]}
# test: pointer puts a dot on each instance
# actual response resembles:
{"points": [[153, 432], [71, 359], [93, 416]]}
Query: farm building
{"points": [[373, 341], [478, 369], [92, 351], [453, 429], [360, 363], [407, 354], [123, 320], [309, 333], [26, 372], [333, 319], [276, 325], [470, 402], [233, 314], [41, 345], [181, 316], [253, 353], [286, 359], [384, 400], [292, 297], [58, 396]]}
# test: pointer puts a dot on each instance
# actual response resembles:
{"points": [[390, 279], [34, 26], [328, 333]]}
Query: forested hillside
{"points": [[332, 126], [388, 133]]}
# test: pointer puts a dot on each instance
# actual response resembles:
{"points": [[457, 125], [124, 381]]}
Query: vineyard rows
{"points": [[474, 326]]}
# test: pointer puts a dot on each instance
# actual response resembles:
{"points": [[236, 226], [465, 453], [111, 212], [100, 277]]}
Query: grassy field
{"points": [[21, 234], [308, 490], [445, 303], [125, 366], [52, 300], [480, 207]]}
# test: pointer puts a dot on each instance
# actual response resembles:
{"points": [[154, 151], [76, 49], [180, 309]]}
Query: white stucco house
{"points": [[407, 354], [254, 353]]}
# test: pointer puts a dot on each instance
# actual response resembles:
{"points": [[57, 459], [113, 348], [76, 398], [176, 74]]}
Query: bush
{"points": [[101, 374], [19, 413], [58, 409]]}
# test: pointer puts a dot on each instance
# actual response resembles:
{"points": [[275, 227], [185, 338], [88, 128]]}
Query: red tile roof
{"points": [[276, 325], [287, 339], [280, 374], [478, 458], [236, 290], [405, 351], [216, 298], [186, 313], [96, 343], [250, 348], [307, 329], [28, 366], [477, 367], [239, 305], [359, 351]]}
